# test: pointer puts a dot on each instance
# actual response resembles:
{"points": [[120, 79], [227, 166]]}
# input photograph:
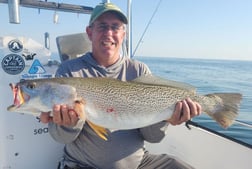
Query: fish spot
{"points": [[110, 110]]}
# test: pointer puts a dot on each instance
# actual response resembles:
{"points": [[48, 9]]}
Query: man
{"points": [[124, 148]]}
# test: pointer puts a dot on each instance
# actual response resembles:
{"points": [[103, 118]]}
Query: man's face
{"points": [[107, 34]]}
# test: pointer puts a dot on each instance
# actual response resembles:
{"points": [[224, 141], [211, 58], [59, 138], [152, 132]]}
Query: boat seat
{"points": [[73, 45]]}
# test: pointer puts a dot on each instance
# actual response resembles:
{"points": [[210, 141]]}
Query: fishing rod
{"points": [[243, 123], [141, 39]]}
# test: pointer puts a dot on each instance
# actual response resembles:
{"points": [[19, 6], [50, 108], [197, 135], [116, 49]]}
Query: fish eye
{"points": [[31, 85]]}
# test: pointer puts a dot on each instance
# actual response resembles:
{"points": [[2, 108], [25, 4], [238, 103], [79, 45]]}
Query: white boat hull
{"points": [[24, 142], [203, 149]]}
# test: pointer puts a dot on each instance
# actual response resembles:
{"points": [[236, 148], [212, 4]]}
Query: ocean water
{"points": [[210, 76]]}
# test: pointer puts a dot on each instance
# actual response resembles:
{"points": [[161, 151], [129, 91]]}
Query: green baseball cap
{"points": [[105, 7]]}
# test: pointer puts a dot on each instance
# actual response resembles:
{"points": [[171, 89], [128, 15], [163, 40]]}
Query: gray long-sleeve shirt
{"points": [[124, 148]]}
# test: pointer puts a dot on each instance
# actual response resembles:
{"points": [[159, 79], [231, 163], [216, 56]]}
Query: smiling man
{"points": [[124, 149]]}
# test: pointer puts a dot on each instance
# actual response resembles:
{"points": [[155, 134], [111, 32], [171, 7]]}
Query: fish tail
{"points": [[227, 110], [100, 131]]}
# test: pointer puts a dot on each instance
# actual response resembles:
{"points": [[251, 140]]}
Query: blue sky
{"points": [[210, 29]]}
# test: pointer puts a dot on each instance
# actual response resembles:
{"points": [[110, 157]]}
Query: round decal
{"points": [[15, 46], [13, 64]]}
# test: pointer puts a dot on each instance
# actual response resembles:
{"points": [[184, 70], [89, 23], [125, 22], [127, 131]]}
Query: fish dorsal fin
{"points": [[100, 131], [155, 80]]}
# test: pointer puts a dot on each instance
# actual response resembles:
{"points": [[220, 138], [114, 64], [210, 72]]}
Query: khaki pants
{"points": [[162, 161], [150, 161]]}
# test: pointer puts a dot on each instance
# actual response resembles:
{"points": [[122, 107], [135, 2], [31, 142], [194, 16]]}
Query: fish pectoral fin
{"points": [[79, 107], [100, 131], [80, 101]]}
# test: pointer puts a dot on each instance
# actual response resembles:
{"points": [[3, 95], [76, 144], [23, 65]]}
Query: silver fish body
{"points": [[115, 104]]}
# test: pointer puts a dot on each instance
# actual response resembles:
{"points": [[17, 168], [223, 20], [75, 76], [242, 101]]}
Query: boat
{"points": [[25, 142]]}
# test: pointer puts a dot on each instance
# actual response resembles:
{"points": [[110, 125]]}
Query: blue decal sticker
{"points": [[15, 46], [13, 64], [36, 76], [36, 68]]}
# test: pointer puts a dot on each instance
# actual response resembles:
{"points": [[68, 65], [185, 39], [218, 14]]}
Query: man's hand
{"points": [[184, 111], [64, 115]]}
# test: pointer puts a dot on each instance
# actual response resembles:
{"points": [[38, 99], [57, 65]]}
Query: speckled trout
{"points": [[115, 104]]}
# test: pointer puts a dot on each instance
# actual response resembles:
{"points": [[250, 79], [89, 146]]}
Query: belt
{"points": [[87, 167], [77, 167]]}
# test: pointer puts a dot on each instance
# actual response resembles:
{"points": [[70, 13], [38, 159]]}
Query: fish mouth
{"points": [[19, 97]]}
